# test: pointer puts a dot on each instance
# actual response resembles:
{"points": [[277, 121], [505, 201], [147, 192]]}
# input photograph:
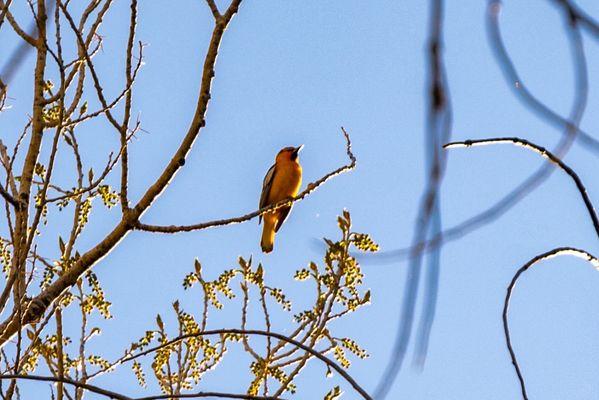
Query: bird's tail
{"points": [[268, 235]]}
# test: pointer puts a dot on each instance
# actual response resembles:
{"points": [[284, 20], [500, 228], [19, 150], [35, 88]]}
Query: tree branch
{"points": [[114, 395], [284, 203], [8, 197], [544, 153], [284, 338], [127, 114], [533, 181], [199, 118], [214, 9], [39, 304], [15, 25], [545, 256]]}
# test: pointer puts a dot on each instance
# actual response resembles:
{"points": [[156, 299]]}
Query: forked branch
{"points": [[36, 308]]}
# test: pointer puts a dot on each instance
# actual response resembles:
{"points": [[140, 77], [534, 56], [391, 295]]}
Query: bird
{"points": [[282, 181]]}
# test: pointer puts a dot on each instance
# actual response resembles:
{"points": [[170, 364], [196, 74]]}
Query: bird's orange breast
{"points": [[286, 182]]}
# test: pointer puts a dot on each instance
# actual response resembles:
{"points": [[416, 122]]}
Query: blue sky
{"points": [[293, 72]]}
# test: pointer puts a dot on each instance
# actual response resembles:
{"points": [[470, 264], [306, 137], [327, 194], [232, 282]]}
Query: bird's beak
{"points": [[297, 150]]}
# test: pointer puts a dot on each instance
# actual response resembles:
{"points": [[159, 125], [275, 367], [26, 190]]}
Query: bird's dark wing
{"points": [[283, 213], [266, 185]]}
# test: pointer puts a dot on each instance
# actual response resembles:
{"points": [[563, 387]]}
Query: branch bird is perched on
{"points": [[282, 181]]}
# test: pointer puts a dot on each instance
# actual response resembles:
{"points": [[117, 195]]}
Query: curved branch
{"points": [[91, 388], [129, 78], [208, 394], [199, 117], [118, 396], [15, 25], [545, 256], [544, 153], [284, 338], [520, 89], [237, 220]]}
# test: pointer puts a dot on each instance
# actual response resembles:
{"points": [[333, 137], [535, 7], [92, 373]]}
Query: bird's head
{"points": [[289, 153]]}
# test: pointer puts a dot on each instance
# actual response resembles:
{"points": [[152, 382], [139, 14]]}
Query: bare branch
{"points": [[15, 25], [39, 304], [90, 65], [118, 396], [214, 9], [109, 106], [237, 220], [8, 197], [4, 11], [199, 118], [544, 153], [91, 388], [545, 256], [127, 114]]}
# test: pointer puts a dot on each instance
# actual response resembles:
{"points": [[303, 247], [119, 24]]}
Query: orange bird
{"points": [[281, 182]]}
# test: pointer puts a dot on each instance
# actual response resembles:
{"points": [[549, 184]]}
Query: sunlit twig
{"points": [[545, 256]]}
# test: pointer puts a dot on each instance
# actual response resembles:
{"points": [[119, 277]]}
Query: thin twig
{"points": [[130, 78], [237, 220], [544, 153]]}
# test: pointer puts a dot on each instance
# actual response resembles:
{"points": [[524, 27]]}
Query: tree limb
{"points": [[117, 396], [39, 304], [544, 153], [284, 203], [275, 335]]}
